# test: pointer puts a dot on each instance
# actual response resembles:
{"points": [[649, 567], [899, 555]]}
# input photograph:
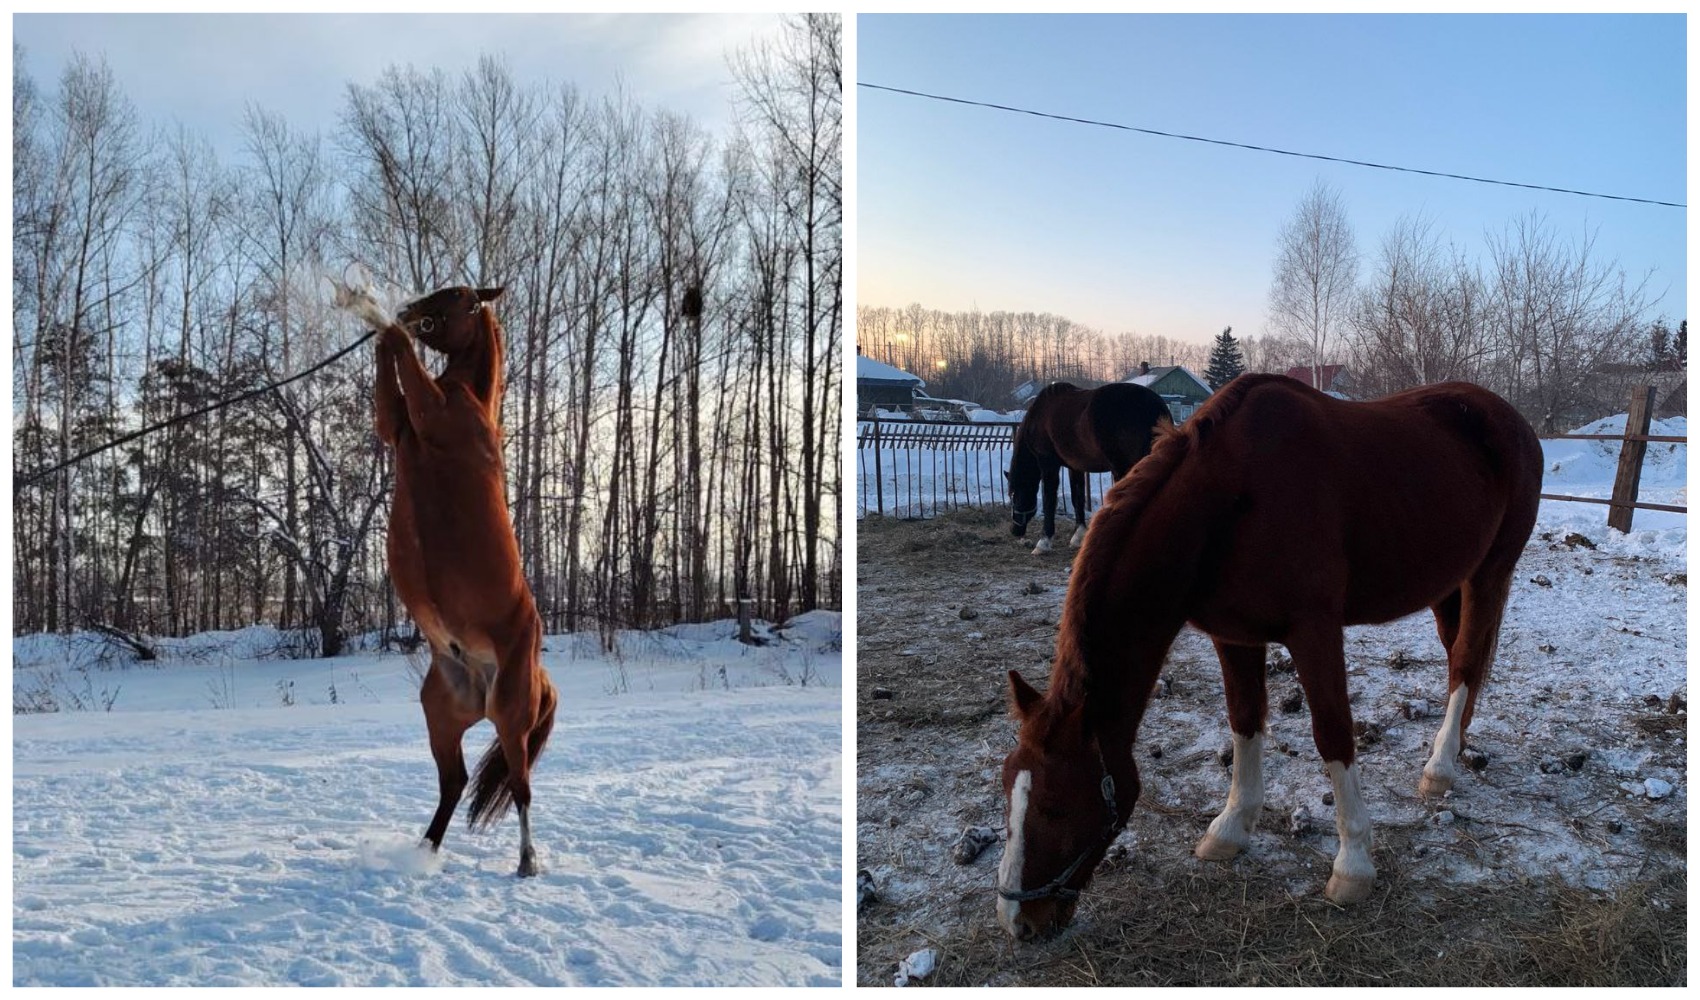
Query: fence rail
{"points": [[917, 468], [1626, 488]]}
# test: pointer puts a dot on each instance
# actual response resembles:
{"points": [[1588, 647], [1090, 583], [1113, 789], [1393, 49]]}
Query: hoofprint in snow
{"points": [[232, 822], [1584, 774]]}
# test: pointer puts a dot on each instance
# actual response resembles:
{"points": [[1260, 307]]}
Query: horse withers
{"points": [[452, 554], [1106, 429], [1275, 514]]}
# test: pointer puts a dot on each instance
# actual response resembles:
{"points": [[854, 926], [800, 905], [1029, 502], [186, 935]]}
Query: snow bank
{"points": [[243, 821]]}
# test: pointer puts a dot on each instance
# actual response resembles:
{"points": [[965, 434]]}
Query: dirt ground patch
{"points": [[1553, 866]]}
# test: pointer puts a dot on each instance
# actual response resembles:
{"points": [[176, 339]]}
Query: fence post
{"points": [[879, 476], [1628, 484]]}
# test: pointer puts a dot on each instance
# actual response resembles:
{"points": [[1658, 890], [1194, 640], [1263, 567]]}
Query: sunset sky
{"points": [[965, 207]]}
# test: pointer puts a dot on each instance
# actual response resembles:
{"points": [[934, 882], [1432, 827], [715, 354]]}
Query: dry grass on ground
{"points": [[947, 605]]}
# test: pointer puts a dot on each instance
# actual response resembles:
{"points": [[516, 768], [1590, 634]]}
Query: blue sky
{"points": [[203, 69], [963, 207]]}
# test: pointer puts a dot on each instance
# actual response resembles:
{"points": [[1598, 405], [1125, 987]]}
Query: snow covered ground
{"points": [[1582, 727], [242, 821]]}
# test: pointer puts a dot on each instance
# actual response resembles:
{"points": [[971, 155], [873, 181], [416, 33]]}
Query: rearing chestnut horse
{"points": [[1106, 429], [1275, 514], [453, 557]]}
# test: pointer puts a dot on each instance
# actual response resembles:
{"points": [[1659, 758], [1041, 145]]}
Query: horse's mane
{"points": [[1097, 565]]}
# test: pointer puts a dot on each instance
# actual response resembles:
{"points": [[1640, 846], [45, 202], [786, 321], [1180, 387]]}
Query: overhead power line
{"points": [[1263, 149], [22, 479]]}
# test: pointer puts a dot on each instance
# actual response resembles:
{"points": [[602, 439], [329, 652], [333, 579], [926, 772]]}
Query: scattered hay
{"points": [[1192, 925]]}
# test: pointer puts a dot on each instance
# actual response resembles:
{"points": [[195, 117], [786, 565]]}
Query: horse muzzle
{"points": [[1037, 919]]}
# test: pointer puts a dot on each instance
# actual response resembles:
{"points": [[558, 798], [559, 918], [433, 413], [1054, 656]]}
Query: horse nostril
{"points": [[1024, 929]]}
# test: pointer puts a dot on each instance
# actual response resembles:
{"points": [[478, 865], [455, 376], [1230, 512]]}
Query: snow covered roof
{"points": [[1160, 372], [869, 370]]}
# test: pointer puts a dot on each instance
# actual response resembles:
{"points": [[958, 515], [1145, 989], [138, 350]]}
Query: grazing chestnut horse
{"points": [[1106, 429], [1275, 514], [453, 558]]}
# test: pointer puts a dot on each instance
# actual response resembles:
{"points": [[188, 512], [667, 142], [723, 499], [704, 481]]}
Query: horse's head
{"points": [[1066, 805], [1023, 481], [448, 320]]}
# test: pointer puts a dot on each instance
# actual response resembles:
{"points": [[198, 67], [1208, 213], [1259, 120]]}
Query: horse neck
{"points": [[1128, 597], [479, 366]]}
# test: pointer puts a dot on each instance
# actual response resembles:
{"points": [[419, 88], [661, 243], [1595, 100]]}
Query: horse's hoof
{"points": [[1433, 787], [1075, 539], [1214, 848], [1043, 546], [1346, 890]]}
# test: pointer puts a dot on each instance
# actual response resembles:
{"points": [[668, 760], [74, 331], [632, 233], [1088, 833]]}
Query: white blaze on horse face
{"points": [[1351, 817], [1014, 852], [1442, 766], [1245, 796]]}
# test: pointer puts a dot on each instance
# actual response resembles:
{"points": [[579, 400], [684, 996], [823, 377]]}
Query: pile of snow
{"points": [[1589, 469], [235, 820], [1665, 465]]}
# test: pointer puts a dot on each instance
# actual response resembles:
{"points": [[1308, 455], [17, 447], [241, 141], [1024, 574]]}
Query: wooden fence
{"points": [[917, 468], [1626, 488]]}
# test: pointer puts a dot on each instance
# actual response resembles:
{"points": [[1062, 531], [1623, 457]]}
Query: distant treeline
{"points": [[1545, 323], [657, 468]]}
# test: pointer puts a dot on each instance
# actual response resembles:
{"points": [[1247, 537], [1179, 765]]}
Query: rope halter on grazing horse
{"points": [[1058, 888]]}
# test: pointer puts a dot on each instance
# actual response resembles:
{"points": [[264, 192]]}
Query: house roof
{"points": [[869, 370], [1160, 372], [1329, 374]]}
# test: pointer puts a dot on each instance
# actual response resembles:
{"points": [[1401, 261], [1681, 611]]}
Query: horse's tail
{"points": [[491, 793]]}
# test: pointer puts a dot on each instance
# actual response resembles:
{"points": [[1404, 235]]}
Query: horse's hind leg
{"points": [[446, 720], [1479, 607], [1243, 676], [1077, 487], [1320, 658], [527, 713]]}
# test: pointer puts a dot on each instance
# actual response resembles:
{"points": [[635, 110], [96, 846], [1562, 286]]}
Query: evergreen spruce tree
{"points": [[1226, 361]]}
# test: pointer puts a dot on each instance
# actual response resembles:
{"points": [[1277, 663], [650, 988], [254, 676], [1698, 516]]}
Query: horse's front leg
{"points": [[419, 390], [1243, 678], [389, 408], [1320, 658], [1077, 489], [1050, 480]]}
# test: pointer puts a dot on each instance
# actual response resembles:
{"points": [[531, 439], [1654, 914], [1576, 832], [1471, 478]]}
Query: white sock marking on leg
{"points": [[1245, 792], [1443, 763], [1351, 817]]}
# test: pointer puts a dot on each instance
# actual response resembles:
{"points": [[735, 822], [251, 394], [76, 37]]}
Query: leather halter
{"points": [[1058, 888]]}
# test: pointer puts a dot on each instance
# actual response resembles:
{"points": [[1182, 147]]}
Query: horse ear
{"points": [[1022, 698], [490, 294]]}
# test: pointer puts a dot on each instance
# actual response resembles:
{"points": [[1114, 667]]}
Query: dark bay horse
{"points": [[452, 554], [1106, 429], [1275, 514]]}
